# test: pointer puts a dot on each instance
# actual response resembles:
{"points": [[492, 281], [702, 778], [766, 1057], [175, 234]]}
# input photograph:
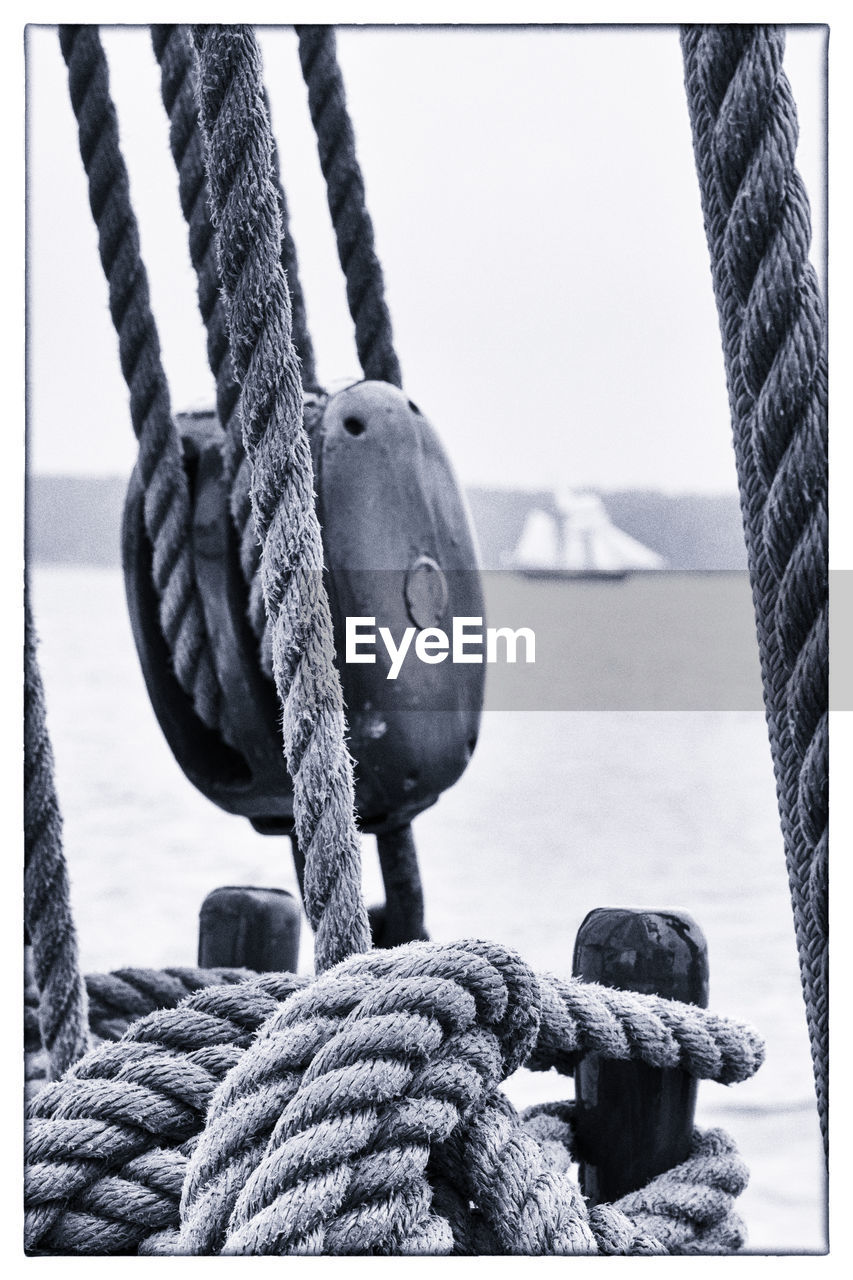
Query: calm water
{"points": [[559, 812]]}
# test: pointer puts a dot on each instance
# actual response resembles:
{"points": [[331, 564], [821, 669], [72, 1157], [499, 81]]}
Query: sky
{"points": [[537, 215]]}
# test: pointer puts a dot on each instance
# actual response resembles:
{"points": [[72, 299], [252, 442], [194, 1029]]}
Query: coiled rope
{"points": [[103, 1161], [347, 204], [282, 1115], [774, 338], [115, 1001], [167, 504], [244, 207]]}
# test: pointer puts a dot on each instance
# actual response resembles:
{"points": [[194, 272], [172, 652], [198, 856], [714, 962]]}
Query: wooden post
{"points": [[241, 927], [401, 919], [635, 1121]]}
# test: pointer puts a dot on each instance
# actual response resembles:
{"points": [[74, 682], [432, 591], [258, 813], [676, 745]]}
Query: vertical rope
{"points": [[167, 509], [62, 1009], [239, 148], [345, 189], [302, 343], [772, 320], [176, 57]]}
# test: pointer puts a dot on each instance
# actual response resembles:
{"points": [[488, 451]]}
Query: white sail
{"points": [[577, 536], [538, 547]]}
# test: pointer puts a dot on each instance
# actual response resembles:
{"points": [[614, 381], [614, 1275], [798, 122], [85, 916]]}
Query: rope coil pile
{"points": [[361, 1113]]}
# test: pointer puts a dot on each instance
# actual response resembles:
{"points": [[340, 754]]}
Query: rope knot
{"points": [[370, 1067]]}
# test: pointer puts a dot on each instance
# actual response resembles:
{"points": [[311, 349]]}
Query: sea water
{"points": [[559, 812]]}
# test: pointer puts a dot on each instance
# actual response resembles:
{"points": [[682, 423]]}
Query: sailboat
{"points": [[575, 538]]}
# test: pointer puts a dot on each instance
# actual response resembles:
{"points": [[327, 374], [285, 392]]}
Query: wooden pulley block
{"points": [[398, 549]]}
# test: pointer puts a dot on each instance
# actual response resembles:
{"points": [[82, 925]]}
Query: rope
{"points": [[59, 999], [278, 1115], [118, 999], [115, 1001], [576, 1018], [772, 321], [177, 60], [245, 211], [176, 57], [109, 1139], [403, 916], [579, 1018], [347, 204], [360, 1112], [529, 1204], [167, 508]]}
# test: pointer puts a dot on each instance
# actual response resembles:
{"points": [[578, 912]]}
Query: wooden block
{"points": [[241, 927], [635, 1121]]}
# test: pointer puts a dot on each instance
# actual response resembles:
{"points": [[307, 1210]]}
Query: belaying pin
{"points": [[634, 1121]]}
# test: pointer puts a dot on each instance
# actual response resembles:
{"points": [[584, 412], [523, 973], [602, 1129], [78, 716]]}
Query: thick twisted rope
{"points": [[360, 1095], [178, 66], [36, 1059], [518, 1176], [244, 207], [347, 205], [579, 1018], [576, 1018], [772, 321], [106, 1151], [280, 1185], [177, 59], [118, 999], [60, 997], [368, 1065], [115, 1001], [166, 506]]}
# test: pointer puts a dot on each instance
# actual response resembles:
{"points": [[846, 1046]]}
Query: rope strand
{"points": [[167, 506], [176, 56], [238, 147], [773, 326], [347, 204], [62, 1014]]}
